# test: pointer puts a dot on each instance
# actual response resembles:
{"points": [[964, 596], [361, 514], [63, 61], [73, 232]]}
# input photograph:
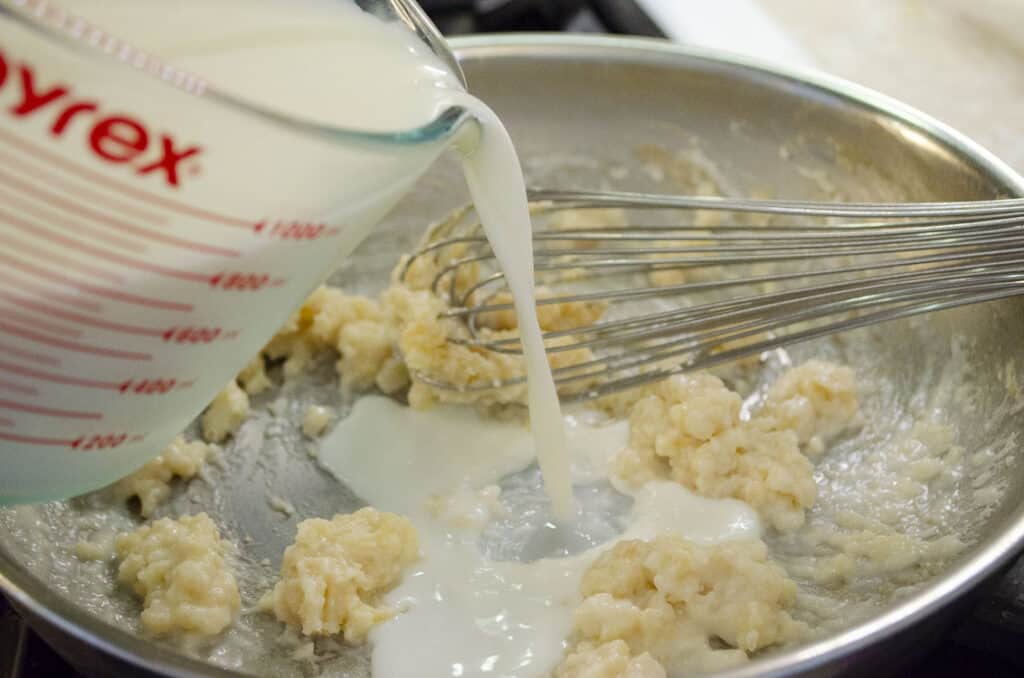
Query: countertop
{"points": [[961, 61]]}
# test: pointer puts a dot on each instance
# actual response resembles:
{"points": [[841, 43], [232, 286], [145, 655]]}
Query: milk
{"points": [[400, 81], [324, 61], [496, 183], [297, 198], [463, 613]]}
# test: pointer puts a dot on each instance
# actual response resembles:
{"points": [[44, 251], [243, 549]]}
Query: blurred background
{"points": [[961, 61]]}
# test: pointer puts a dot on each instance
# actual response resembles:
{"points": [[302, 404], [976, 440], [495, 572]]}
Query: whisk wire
{"points": [[783, 283]]}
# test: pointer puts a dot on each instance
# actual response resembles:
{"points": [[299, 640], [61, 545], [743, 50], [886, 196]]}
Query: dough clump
{"points": [[225, 413], [669, 599], [333, 574], [688, 429], [608, 660], [152, 483], [254, 378], [816, 400], [400, 341], [179, 570], [315, 420]]}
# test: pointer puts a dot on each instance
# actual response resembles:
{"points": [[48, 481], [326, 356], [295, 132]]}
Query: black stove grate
{"points": [[456, 17]]}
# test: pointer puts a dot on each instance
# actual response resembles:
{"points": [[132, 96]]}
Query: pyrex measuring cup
{"points": [[155, 232]]}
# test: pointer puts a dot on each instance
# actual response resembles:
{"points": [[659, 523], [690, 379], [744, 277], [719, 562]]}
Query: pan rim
{"points": [[31, 595]]}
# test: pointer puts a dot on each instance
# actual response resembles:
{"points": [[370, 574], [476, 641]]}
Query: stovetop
{"points": [[455, 17], [986, 642]]}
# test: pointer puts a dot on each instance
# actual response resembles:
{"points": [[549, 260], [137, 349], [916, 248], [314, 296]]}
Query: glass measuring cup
{"points": [[156, 231]]}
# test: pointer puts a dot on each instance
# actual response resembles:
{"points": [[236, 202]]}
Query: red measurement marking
{"points": [[18, 388], [71, 207], [50, 179], [99, 323], [34, 440], [8, 328], [42, 154], [6, 422], [231, 334], [48, 411], [40, 358], [31, 321], [139, 386], [106, 292], [57, 378], [191, 335], [12, 200], [148, 386], [105, 441], [136, 438], [98, 252], [242, 282], [46, 293], [48, 256], [294, 230]]}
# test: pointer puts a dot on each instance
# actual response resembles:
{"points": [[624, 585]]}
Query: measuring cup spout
{"points": [[466, 134]]}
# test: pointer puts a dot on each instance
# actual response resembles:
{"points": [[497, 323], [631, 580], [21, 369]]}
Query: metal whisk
{"points": [[684, 283]]}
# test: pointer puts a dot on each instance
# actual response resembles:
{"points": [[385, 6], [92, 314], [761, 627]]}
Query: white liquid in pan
{"points": [[465, 613]]}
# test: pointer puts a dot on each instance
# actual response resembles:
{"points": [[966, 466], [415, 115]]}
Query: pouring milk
{"points": [[155, 239]]}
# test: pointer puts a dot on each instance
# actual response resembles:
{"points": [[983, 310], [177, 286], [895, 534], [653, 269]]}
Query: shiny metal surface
{"points": [[753, 284], [576, 106]]}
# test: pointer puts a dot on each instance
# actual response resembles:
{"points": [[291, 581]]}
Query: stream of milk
{"points": [[330, 62], [494, 590]]}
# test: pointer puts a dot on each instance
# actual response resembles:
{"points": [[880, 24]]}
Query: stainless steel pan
{"points": [[582, 111]]}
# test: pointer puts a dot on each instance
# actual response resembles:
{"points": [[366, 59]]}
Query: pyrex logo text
{"points": [[118, 138]]}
